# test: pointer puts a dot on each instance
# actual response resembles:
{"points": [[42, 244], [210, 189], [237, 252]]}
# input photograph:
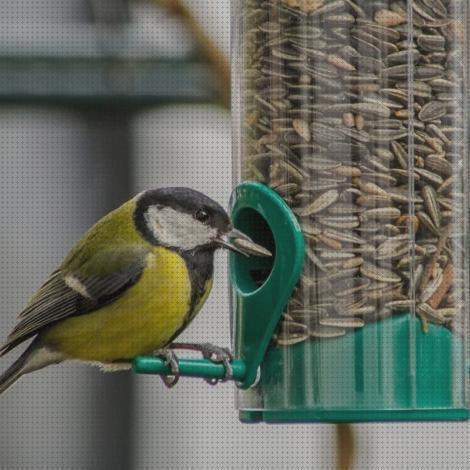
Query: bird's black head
{"points": [[181, 218]]}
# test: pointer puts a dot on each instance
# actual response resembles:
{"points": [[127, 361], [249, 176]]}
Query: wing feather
{"points": [[97, 281]]}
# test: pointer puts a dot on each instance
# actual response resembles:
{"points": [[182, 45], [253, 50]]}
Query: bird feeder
{"points": [[351, 158]]}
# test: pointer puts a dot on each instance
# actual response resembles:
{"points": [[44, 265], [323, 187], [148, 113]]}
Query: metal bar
{"points": [[113, 405], [112, 81], [203, 368]]}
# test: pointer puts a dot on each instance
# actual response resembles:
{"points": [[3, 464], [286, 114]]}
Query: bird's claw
{"points": [[213, 353], [220, 355], [171, 361]]}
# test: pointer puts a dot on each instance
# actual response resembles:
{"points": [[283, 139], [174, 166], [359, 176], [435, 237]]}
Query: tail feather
{"points": [[12, 374], [34, 358]]}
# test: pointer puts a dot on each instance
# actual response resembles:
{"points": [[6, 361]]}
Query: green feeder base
{"points": [[387, 371]]}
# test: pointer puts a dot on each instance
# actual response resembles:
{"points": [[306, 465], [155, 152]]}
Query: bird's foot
{"points": [[218, 354], [213, 353], [172, 362]]}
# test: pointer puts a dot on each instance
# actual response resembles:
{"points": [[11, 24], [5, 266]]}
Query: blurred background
{"points": [[100, 99]]}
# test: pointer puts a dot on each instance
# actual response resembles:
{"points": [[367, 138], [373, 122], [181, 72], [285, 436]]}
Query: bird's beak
{"points": [[237, 241]]}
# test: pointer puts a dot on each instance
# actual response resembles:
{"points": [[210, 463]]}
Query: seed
{"points": [[347, 222], [381, 213], [374, 201], [251, 248], [290, 340], [342, 322], [446, 185], [400, 305], [389, 18], [347, 171], [438, 164], [427, 222], [360, 122], [340, 63], [341, 20], [327, 332], [270, 27], [321, 203], [371, 188], [400, 154], [378, 274], [429, 176], [431, 42], [432, 111], [343, 236], [430, 203], [319, 163], [287, 188], [349, 120], [401, 57], [302, 128], [344, 208], [396, 71], [359, 311], [356, 134], [335, 254], [374, 110], [342, 274], [387, 135], [329, 242], [430, 313], [353, 262], [392, 248], [350, 285], [429, 71], [447, 313]]}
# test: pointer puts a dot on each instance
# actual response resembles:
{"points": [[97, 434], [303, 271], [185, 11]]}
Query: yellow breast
{"points": [[144, 318]]}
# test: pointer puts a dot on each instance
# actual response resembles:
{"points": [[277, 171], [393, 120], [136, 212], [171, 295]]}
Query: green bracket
{"points": [[262, 286]]}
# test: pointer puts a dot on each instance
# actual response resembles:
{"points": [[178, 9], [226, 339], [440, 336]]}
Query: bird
{"points": [[129, 286]]}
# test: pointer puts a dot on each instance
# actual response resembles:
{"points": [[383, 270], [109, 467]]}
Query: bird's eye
{"points": [[202, 216]]}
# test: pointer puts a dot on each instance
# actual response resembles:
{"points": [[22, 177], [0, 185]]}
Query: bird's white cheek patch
{"points": [[177, 229]]}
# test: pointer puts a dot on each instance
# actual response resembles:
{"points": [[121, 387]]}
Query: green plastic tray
{"points": [[386, 371]]}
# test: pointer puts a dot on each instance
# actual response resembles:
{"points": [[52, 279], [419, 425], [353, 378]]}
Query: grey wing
{"points": [[67, 294]]}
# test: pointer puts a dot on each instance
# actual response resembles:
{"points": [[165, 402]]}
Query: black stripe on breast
{"points": [[200, 264]]}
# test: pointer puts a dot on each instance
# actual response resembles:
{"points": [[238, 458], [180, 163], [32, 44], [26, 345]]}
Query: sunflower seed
{"points": [[327, 332], [432, 206], [342, 322], [392, 248], [432, 111], [379, 274], [321, 203]]}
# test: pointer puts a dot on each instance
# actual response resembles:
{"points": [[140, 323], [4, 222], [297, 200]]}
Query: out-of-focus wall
{"points": [[54, 183]]}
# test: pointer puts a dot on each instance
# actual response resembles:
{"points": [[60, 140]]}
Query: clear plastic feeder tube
{"points": [[356, 113]]}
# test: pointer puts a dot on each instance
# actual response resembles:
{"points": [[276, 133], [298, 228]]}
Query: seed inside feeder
{"points": [[371, 162]]}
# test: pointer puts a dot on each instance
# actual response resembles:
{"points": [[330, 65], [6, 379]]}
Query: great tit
{"points": [[129, 286]]}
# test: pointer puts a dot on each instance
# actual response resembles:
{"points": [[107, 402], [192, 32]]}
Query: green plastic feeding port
{"points": [[389, 370], [262, 286]]}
